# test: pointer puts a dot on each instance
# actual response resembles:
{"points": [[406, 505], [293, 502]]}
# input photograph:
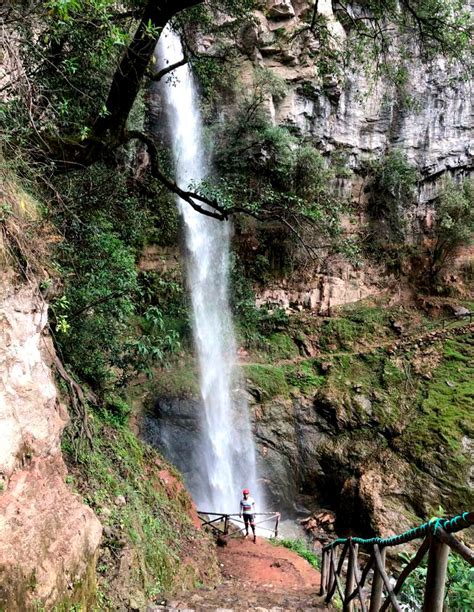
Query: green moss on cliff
{"points": [[385, 379], [281, 346], [304, 376], [266, 381], [179, 379], [434, 436]]}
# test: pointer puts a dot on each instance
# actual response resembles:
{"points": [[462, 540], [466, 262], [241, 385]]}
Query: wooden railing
{"points": [[437, 542], [220, 523]]}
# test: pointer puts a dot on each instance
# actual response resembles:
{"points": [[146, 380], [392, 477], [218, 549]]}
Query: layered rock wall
{"points": [[349, 114], [430, 120]]}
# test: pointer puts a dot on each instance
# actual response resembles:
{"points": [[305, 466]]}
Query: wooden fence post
{"points": [[322, 589], [377, 584], [226, 524], [331, 574], [436, 576], [348, 606]]}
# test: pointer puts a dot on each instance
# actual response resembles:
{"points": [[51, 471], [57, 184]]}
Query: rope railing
{"points": [[220, 524], [437, 542]]}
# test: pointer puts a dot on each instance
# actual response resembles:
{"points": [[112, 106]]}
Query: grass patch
{"points": [[281, 346], [299, 547], [371, 317], [304, 376], [269, 381], [336, 334]]}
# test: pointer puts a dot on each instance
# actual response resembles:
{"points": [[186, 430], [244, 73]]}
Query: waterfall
{"points": [[226, 447]]}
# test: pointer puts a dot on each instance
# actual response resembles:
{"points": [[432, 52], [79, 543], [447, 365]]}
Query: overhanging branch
{"points": [[161, 73], [214, 209]]}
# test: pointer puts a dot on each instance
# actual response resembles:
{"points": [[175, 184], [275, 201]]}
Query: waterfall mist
{"points": [[226, 453]]}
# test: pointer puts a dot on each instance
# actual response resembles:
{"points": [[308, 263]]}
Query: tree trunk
{"points": [[131, 70]]}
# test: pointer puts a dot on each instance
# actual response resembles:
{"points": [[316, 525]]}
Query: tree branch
{"points": [[216, 211], [161, 73], [134, 63]]}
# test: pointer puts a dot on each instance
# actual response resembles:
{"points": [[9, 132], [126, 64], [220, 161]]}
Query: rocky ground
{"points": [[257, 576]]}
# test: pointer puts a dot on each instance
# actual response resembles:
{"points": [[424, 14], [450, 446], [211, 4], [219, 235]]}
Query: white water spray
{"points": [[226, 446]]}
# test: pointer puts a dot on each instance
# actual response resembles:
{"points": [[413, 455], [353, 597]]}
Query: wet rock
{"points": [[397, 327], [363, 404], [461, 312]]}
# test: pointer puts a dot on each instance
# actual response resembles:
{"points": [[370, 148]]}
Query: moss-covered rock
{"points": [[381, 431]]}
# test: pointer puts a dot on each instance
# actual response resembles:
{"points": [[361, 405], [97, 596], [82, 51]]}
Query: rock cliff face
{"points": [[350, 112], [352, 116], [48, 537], [379, 435]]}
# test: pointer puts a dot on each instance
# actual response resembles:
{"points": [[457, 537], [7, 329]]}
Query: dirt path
{"points": [[258, 577]]}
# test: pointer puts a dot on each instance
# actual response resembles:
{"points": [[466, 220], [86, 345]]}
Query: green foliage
{"points": [[453, 229], [110, 319], [216, 77], [152, 346], [372, 318], [430, 28], [300, 547], [116, 410], [281, 346], [434, 435], [178, 379], [69, 51], [393, 183], [101, 303], [459, 585], [254, 325], [304, 376], [270, 173], [266, 380], [337, 334]]}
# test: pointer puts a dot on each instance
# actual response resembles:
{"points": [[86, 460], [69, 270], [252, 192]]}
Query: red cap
{"points": [[245, 491]]}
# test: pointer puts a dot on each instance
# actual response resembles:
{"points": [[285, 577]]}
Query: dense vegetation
{"points": [[97, 191], [145, 516]]}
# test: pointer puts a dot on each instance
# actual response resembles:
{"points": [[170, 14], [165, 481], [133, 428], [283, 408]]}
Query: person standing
{"points": [[247, 509]]}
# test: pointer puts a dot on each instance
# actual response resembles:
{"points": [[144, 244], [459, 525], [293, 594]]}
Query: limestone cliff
{"points": [[349, 115], [352, 113]]}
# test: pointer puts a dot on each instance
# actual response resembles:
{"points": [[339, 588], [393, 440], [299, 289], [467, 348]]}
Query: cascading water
{"points": [[226, 446]]}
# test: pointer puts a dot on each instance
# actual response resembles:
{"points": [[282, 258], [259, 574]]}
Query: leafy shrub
{"points": [[99, 292], [393, 182], [459, 594], [453, 227], [116, 410], [110, 320]]}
